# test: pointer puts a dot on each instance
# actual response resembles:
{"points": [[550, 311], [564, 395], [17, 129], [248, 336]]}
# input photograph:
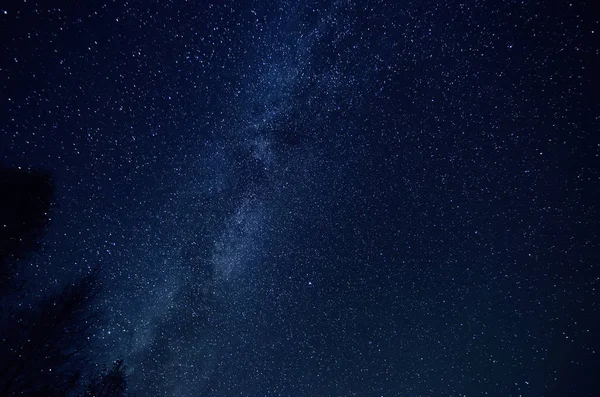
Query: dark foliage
{"points": [[44, 348], [44, 344], [24, 205], [109, 383]]}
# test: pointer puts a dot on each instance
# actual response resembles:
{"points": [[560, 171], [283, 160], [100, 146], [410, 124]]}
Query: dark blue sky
{"points": [[319, 198]]}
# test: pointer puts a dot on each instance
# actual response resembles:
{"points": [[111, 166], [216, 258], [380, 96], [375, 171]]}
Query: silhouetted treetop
{"points": [[24, 205]]}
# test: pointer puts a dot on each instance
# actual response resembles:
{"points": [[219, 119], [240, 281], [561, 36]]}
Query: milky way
{"points": [[322, 198], [214, 304]]}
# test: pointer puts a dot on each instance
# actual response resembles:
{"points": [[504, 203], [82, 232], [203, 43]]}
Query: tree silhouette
{"points": [[44, 349], [24, 206], [44, 345], [109, 383]]}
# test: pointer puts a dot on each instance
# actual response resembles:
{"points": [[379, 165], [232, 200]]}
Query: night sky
{"points": [[319, 198]]}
